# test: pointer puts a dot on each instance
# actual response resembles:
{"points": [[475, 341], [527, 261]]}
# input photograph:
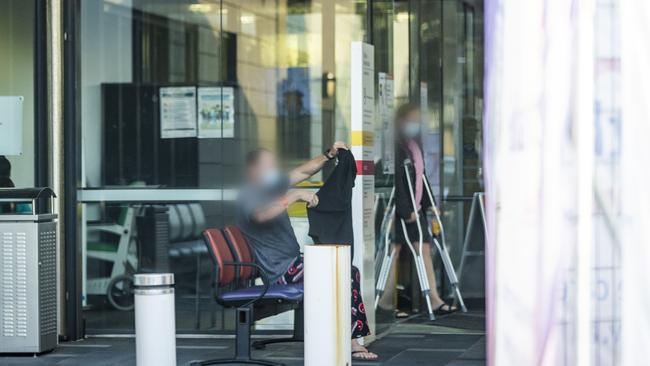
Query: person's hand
{"points": [[334, 150], [412, 218], [310, 197]]}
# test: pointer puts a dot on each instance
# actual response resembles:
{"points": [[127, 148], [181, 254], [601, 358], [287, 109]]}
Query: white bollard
{"points": [[327, 305], [155, 321]]}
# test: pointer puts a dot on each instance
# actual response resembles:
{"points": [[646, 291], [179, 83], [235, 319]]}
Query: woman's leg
{"points": [[431, 275], [359, 320], [436, 300]]}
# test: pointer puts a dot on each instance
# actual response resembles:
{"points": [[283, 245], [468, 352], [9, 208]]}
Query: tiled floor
{"points": [[407, 343]]}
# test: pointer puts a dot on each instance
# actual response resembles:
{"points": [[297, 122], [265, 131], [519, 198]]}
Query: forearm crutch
{"points": [[388, 253], [417, 255], [442, 248]]}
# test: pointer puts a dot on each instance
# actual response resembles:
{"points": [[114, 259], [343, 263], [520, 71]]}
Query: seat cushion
{"points": [[276, 292]]}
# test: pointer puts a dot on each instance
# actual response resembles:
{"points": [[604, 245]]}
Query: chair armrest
{"points": [[265, 278], [107, 228]]}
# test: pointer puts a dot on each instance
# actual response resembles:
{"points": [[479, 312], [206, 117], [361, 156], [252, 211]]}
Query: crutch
{"points": [[389, 253], [442, 248], [417, 255]]}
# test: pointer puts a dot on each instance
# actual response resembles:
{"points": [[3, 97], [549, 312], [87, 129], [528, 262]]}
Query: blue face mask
{"points": [[274, 180], [411, 130]]}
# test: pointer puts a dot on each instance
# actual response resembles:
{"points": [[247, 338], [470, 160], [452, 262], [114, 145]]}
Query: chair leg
{"points": [[298, 331], [242, 343], [243, 333], [197, 293]]}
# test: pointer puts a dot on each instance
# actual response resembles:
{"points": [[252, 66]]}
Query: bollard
{"points": [[327, 305], [155, 324]]}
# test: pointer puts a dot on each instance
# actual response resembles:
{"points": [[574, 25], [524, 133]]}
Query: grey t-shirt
{"points": [[274, 243]]}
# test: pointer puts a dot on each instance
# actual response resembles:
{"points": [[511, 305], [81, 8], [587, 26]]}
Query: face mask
{"points": [[411, 130], [274, 180]]}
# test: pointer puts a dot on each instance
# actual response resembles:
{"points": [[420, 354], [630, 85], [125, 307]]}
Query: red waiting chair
{"points": [[235, 273]]}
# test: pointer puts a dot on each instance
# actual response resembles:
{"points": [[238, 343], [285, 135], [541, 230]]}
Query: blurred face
{"points": [[265, 166], [411, 125]]}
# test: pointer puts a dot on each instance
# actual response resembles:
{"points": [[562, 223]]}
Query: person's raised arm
{"points": [[277, 207], [313, 166]]}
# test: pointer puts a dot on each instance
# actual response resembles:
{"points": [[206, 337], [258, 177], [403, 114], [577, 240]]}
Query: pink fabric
{"points": [[418, 162]]}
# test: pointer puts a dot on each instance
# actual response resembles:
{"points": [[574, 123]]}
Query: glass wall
{"points": [[446, 78], [253, 73], [174, 93], [17, 80], [433, 50]]}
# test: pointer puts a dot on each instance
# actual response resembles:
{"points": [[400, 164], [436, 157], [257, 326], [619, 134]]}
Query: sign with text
{"points": [[177, 112], [386, 107], [362, 141]]}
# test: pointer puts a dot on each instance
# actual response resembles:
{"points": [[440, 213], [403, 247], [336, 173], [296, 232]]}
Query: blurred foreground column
{"points": [[538, 143], [635, 196], [327, 305]]}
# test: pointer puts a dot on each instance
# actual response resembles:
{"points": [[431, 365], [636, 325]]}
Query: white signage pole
{"points": [[363, 194]]}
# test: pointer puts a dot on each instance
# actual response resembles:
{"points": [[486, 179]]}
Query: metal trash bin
{"points": [[155, 319], [28, 306]]}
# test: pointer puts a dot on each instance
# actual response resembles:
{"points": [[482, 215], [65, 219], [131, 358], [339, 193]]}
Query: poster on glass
{"points": [[177, 112], [216, 112]]}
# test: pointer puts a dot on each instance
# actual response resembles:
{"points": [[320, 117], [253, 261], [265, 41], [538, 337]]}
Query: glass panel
{"points": [[17, 80], [436, 62], [445, 71], [461, 114], [173, 96]]}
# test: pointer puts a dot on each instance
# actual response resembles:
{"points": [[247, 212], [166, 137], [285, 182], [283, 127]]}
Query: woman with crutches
{"points": [[411, 205]]}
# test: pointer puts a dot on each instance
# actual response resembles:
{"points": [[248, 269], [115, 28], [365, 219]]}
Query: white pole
{"points": [[327, 305], [155, 325]]}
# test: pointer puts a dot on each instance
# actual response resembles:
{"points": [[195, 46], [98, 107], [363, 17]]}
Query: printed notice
{"points": [[386, 110], [177, 112], [216, 114]]}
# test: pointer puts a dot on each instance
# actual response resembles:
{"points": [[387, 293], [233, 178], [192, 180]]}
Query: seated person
{"points": [[262, 217], [6, 182]]}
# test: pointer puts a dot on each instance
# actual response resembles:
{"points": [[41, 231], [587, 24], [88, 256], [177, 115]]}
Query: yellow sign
{"points": [[363, 138]]}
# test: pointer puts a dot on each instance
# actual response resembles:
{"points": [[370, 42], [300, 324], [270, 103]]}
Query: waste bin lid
{"points": [[26, 193], [153, 279]]}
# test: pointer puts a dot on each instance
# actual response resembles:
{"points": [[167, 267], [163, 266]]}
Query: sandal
{"points": [[401, 314], [364, 355], [441, 310]]}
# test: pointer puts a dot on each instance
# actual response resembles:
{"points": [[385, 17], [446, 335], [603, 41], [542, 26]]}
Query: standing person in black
{"points": [[408, 124]]}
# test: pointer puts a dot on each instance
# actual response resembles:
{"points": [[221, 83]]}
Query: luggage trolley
{"points": [[419, 260]]}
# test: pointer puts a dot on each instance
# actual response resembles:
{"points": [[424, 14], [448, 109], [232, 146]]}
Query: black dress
{"points": [[403, 204]]}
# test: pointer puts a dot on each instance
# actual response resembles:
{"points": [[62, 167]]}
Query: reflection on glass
{"points": [[173, 94], [17, 79]]}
